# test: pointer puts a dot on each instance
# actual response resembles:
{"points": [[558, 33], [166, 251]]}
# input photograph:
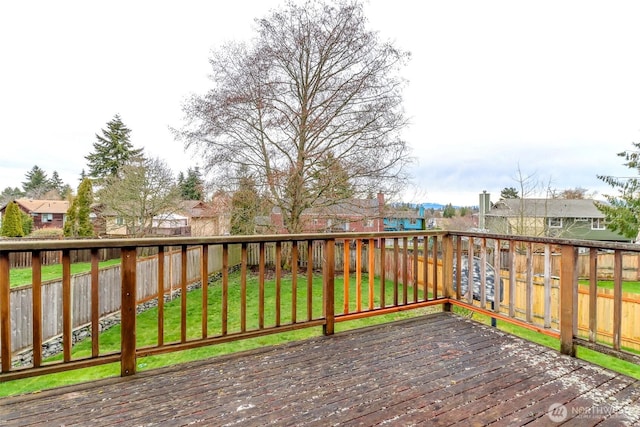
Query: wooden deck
{"points": [[440, 369]]}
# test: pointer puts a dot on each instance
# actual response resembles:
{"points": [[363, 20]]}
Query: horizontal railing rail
{"points": [[205, 291]]}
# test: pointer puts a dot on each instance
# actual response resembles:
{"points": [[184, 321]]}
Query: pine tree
{"points": [[37, 183], [111, 151], [191, 187], [12, 221]]}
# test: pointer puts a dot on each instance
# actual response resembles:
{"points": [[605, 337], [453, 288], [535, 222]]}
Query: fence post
{"points": [[329, 283], [568, 299], [447, 269], [128, 313]]}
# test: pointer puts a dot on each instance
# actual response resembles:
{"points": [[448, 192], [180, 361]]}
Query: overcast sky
{"points": [[550, 87]]}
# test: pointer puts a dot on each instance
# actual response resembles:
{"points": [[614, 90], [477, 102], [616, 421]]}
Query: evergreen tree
{"points": [[9, 194], [622, 212], [37, 183], [449, 211], [27, 223], [84, 200], [78, 220], [191, 187], [509, 193], [244, 205], [111, 151], [12, 221]]}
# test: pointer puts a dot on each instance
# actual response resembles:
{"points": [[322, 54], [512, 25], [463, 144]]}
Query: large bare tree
{"points": [[145, 191], [314, 92]]}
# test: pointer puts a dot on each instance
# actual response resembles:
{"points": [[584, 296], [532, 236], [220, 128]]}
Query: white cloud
{"points": [[551, 86]]}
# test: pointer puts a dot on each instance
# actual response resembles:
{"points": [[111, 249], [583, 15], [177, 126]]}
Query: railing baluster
{"points": [[328, 287], [204, 280], [547, 285], [497, 281], [458, 267], [95, 303], [617, 299], [346, 271], [415, 269], [309, 279], [425, 268], [358, 275], [483, 273], [405, 270], [243, 287], [593, 294], [161, 259], [529, 288], [435, 267], [383, 268], [261, 269], [396, 266], [294, 281], [5, 312], [36, 288], [278, 280], [512, 278], [372, 270], [183, 294], [471, 269], [225, 289], [67, 326]]}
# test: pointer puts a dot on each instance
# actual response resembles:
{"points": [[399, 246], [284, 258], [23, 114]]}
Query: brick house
{"points": [[353, 215]]}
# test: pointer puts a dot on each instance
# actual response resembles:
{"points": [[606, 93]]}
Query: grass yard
{"points": [[632, 287], [23, 276], [147, 322]]}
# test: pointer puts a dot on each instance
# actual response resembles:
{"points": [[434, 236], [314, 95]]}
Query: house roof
{"points": [[352, 208], [546, 208], [44, 206]]}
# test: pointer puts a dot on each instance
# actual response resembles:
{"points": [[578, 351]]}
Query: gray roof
{"points": [[546, 208]]}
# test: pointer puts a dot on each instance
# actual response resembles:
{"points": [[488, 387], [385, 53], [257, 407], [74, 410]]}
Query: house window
{"points": [[47, 217], [555, 222], [413, 221], [370, 223], [582, 219], [119, 220], [598, 224]]}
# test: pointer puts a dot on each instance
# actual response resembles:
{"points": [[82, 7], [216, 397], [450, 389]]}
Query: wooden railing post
{"points": [[568, 299], [447, 269], [128, 313], [329, 283], [5, 312]]}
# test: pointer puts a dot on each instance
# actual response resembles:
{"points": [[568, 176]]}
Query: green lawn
{"points": [[22, 276], [630, 286], [146, 331]]}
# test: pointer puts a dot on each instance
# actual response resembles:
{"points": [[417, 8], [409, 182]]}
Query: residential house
{"points": [[403, 219], [353, 215], [565, 218], [45, 213], [208, 219]]}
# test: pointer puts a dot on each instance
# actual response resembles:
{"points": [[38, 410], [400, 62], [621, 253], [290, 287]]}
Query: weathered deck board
{"points": [[435, 370]]}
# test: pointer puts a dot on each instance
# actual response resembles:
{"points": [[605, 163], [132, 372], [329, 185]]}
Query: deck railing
{"points": [[278, 283]]}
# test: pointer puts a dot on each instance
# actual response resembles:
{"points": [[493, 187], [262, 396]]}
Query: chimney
{"points": [[485, 205]]}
